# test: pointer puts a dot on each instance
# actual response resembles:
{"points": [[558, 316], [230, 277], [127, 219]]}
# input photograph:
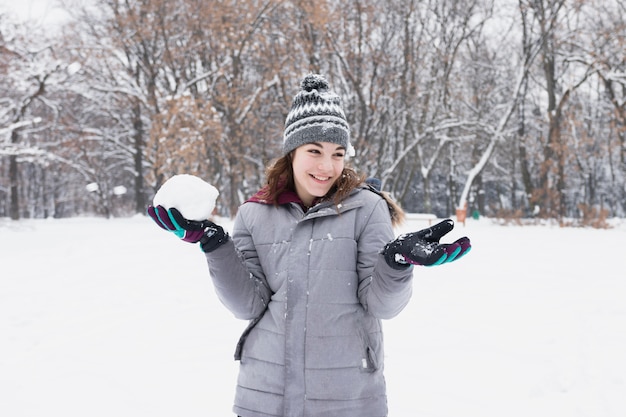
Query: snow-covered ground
{"points": [[118, 318]]}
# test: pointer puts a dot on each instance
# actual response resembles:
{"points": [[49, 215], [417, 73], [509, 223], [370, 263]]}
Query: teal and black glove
{"points": [[423, 247], [209, 234]]}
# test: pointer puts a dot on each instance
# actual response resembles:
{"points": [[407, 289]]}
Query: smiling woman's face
{"points": [[316, 167]]}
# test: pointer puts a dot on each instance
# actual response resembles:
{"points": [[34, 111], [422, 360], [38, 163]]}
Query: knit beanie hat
{"points": [[316, 116]]}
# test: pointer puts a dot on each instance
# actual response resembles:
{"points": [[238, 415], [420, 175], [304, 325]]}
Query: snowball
{"points": [[192, 196]]}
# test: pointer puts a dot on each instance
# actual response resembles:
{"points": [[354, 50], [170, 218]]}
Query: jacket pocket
{"points": [[369, 363], [369, 357]]}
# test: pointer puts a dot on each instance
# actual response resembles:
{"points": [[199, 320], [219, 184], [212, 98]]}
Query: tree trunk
{"points": [[140, 200], [14, 209]]}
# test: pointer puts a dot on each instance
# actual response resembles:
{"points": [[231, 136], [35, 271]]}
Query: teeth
{"points": [[320, 178]]}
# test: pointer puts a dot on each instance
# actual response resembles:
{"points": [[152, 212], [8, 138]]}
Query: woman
{"points": [[314, 266]]}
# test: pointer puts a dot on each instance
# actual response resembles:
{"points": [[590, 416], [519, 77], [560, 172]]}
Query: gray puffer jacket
{"points": [[315, 287]]}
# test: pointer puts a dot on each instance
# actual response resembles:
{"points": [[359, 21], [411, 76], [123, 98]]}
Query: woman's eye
{"points": [[340, 154]]}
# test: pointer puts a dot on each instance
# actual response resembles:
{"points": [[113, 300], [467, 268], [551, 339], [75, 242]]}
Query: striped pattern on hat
{"points": [[316, 115]]}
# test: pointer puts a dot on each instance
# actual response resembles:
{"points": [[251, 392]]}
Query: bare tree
{"points": [[32, 70], [450, 102]]}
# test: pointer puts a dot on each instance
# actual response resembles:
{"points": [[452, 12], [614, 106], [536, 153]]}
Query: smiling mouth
{"points": [[320, 178]]}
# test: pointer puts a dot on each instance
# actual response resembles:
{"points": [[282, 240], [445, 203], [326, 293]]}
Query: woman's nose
{"points": [[325, 164]]}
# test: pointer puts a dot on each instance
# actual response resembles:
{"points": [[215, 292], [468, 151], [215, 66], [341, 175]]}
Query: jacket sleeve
{"points": [[383, 291], [237, 276]]}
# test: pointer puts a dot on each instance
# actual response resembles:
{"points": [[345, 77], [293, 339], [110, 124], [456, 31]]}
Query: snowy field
{"points": [[118, 318]]}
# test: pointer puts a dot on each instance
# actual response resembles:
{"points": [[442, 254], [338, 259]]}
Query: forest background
{"points": [[513, 109]]}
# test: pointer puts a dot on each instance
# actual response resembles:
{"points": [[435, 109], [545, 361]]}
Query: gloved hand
{"points": [[209, 234], [423, 247]]}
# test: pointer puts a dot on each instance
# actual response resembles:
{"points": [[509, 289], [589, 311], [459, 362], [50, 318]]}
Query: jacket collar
{"points": [[286, 197], [319, 208]]}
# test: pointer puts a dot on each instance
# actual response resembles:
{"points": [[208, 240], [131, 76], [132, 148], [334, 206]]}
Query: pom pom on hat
{"points": [[314, 82], [316, 115]]}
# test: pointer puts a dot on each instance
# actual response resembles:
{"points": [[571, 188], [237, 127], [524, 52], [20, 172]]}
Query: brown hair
{"points": [[396, 212], [279, 176]]}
